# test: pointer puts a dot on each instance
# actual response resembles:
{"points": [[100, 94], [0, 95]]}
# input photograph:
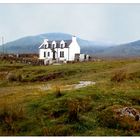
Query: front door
{"points": [[54, 55]]}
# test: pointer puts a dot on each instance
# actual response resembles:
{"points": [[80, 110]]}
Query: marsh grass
{"points": [[9, 116], [119, 75], [57, 91], [28, 110]]}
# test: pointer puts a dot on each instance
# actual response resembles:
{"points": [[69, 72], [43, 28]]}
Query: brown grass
{"points": [[119, 75], [9, 115]]}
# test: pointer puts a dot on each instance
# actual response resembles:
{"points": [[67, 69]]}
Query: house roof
{"points": [[67, 43]]}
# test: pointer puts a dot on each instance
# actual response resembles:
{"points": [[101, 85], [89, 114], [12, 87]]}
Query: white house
{"points": [[59, 50]]}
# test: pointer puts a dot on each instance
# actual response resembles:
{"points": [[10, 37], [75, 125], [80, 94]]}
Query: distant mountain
{"points": [[124, 50], [30, 44]]}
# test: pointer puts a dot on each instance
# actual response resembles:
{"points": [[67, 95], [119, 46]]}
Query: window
{"points": [[44, 54], [62, 54], [45, 46], [57, 45], [48, 53], [49, 45], [61, 46], [53, 45]]}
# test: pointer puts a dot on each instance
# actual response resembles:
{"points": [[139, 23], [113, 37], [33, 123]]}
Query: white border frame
{"points": [[69, 1]]}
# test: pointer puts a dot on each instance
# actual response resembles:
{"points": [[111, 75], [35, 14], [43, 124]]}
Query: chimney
{"points": [[45, 40], [74, 38]]}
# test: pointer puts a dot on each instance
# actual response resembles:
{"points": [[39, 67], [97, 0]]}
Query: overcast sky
{"points": [[118, 23]]}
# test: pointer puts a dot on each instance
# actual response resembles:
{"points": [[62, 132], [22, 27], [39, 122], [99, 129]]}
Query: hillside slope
{"points": [[123, 50], [30, 44]]}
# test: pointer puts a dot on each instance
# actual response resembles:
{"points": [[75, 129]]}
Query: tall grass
{"points": [[9, 116], [59, 112]]}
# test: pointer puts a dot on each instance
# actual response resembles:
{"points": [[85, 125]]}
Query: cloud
{"points": [[108, 22]]}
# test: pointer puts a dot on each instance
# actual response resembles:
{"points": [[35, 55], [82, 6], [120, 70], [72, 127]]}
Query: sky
{"points": [[116, 23]]}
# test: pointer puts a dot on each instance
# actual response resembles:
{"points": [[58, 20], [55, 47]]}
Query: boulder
{"points": [[129, 112]]}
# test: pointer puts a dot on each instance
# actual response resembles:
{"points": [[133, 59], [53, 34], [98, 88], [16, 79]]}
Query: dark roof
{"points": [[67, 43]]}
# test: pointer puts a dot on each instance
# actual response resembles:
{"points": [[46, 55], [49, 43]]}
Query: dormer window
{"points": [[49, 45], [57, 45], [45, 46], [53, 45], [61, 46]]}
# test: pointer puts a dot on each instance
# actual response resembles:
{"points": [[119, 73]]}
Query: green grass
{"points": [[26, 110]]}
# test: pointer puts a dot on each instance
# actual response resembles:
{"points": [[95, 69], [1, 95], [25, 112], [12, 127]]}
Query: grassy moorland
{"points": [[27, 108]]}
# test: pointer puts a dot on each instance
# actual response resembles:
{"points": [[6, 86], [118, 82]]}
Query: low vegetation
{"points": [[30, 108]]}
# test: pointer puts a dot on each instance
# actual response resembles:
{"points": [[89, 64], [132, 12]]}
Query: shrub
{"points": [[75, 106], [14, 77], [135, 100], [110, 118], [57, 92], [85, 104], [107, 119], [57, 113], [134, 75], [57, 130], [11, 77], [73, 110], [129, 123], [8, 117], [119, 76], [19, 77]]}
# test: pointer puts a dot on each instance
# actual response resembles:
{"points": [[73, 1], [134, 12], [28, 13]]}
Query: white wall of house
{"points": [[46, 51], [69, 53], [74, 48], [65, 50], [82, 57], [41, 53]]}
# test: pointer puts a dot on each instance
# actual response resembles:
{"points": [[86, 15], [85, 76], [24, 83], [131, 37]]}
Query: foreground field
{"points": [[30, 107]]}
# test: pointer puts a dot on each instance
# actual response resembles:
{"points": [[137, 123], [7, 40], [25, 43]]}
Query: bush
{"points": [[78, 105], [57, 130], [19, 77], [119, 76], [8, 118], [11, 77], [85, 104], [57, 92], [134, 75], [110, 118], [14, 77], [107, 118], [73, 110]]}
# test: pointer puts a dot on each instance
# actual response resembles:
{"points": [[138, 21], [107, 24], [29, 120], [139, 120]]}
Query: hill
{"points": [[30, 44], [124, 50]]}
